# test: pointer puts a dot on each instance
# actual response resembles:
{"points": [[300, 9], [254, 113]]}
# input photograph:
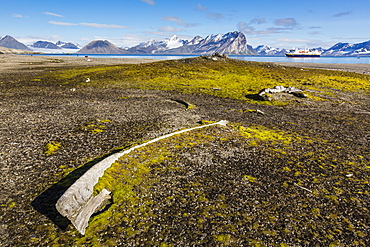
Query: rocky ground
{"points": [[34, 113]]}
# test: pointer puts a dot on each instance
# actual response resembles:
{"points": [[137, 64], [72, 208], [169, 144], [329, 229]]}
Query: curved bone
{"points": [[78, 203]]}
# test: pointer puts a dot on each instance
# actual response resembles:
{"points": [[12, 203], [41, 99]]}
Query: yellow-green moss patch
{"points": [[232, 78], [51, 147]]}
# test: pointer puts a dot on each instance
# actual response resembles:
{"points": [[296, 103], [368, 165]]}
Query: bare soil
{"points": [[33, 113]]}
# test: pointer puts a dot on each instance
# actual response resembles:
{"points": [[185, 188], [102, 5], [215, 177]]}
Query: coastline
{"points": [[11, 62], [356, 68]]}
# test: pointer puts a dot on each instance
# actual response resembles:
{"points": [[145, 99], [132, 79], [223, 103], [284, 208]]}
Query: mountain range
{"points": [[58, 45], [232, 43], [347, 49]]}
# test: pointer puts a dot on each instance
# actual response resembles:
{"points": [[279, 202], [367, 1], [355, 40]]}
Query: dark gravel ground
{"points": [[34, 113]]}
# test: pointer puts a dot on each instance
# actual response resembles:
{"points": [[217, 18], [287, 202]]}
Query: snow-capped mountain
{"points": [[58, 47], [347, 49], [149, 43], [154, 46], [265, 50], [229, 43], [232, 43], [174, 42], [45, 44], [67, 45]]}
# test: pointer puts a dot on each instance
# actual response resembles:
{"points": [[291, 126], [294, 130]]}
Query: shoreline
{"points": [[11, 62], [360, 68]]}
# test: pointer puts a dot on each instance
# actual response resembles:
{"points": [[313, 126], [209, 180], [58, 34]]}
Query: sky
{"points": [[126, 23]]}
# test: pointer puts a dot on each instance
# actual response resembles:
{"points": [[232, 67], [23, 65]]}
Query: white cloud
{"points": [[290, 42], [58, 23], [17, 15], [150, 2], [52, 14], [248, 29], [169, 29], [210, 15], [156, 33], [95, 25], [179, 21], [258, 21], [201, 7], [342, 14], [175, 19], [215, 16], [286, 22]]}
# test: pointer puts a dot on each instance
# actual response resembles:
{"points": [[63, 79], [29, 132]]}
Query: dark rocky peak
{"points": [[101, 47], [10, 42]]}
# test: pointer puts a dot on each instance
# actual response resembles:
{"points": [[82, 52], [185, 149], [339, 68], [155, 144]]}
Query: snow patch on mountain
{"points": [[174, 42], [265, 50], [58, 47]]}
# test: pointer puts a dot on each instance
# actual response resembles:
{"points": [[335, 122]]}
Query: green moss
{"points": [[94, 131], [249, 178], [173, 189], [52, 147], [95, 126], [223, 238], [233, 79], [259, 134]]}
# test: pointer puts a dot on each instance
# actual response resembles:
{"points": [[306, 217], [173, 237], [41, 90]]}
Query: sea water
{"points": [[322, 59]]}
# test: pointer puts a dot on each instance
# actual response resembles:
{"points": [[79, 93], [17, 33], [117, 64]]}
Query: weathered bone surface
{"points": [[91, 206], [281, 89], [78, 202]]}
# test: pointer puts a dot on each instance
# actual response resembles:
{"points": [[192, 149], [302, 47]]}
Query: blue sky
{"points": [[125, 23]]}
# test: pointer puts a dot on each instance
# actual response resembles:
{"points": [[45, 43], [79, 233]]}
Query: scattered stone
{"points": [[215, 56], [255, 111]]}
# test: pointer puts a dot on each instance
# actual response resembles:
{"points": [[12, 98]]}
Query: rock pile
{"points": [[264, 93]]}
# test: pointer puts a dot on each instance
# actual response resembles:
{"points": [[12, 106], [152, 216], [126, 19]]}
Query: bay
{"points": [[323, 59]]}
